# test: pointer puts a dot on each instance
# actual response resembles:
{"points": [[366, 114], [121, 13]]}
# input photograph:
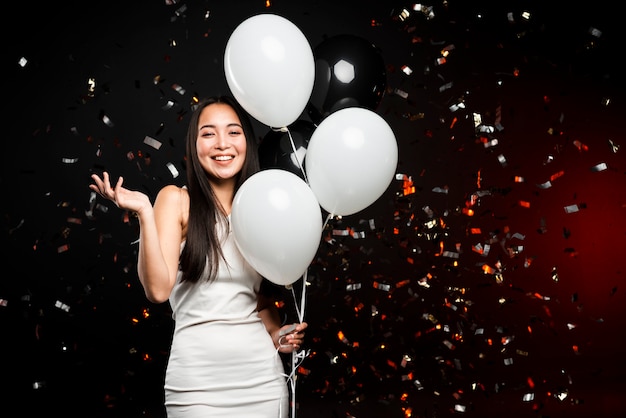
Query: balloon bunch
{"points": [[340, 162]]}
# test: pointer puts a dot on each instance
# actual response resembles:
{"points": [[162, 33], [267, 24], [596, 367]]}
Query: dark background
{"points": [[398, 327]]}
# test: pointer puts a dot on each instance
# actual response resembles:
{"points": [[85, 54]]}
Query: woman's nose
{"points": [[222, 142]]}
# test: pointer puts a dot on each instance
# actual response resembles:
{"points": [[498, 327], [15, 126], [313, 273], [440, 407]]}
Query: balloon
{"points": [[351, 160], [349, 72], [269, 68], [277, 224], [276, 149]]}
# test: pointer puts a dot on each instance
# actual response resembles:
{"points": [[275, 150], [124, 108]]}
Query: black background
{"points": [[78, 337]]}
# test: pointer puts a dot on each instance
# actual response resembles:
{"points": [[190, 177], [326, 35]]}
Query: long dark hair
{"points": [[202, 247]]}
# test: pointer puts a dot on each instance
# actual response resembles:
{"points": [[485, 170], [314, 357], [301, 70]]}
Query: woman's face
{"points": [[221, 143]]}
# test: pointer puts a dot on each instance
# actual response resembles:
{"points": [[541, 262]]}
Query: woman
{"points": [[224, 355]]}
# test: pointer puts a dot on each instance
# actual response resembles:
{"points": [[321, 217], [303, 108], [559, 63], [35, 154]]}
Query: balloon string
{"points": [[328, 218], [296, 360], [295, 153], [297, 357], [300, 310]]}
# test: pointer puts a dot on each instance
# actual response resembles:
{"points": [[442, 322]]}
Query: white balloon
{"points": [[351, 160], [270, 69], [277, 224]]}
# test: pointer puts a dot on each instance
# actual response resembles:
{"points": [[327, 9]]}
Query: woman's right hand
{"points": [[131, 200]]}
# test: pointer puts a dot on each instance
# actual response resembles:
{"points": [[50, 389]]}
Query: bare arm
{"points": [[287, 338], [160, 237]]}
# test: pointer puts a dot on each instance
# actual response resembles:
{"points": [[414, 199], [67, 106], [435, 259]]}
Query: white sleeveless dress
{"points": [[223, 362]]}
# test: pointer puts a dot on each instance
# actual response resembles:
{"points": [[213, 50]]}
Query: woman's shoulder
{"points": [[172, 194], [173, 189], [173, 202]]}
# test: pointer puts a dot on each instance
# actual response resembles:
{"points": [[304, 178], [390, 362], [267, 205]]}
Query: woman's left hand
{"points": [[290, 337]]}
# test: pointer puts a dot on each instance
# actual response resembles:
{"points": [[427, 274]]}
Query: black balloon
{"points": [[276, 149], [349, 72]]}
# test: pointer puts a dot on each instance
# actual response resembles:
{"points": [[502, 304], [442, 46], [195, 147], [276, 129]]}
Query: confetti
{"points": [[599, 167], [179, 89], [152, 142], [401, 93], [62, 306], [172, 169], [107, 121]]}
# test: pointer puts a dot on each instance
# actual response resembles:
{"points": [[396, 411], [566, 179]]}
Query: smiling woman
{"points": [[224, 326], [221, 145]]}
